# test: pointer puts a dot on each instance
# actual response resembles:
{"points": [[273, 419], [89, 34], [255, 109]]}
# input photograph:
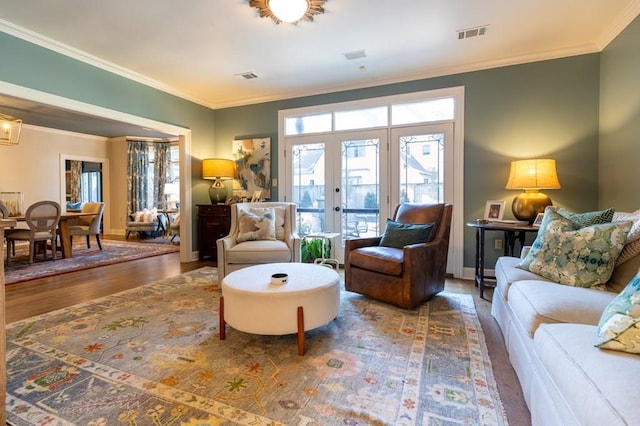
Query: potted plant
{"points": [[311, 249]]}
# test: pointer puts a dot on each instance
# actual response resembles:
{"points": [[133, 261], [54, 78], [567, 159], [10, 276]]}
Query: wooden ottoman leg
{"points": [[223, 325], [300, 331]]}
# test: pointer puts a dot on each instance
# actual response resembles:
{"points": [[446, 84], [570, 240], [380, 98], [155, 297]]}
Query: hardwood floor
{"points": [[30, 298]]}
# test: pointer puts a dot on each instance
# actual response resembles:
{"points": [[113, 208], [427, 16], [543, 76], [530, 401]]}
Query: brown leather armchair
{"points": [[403, 277]]}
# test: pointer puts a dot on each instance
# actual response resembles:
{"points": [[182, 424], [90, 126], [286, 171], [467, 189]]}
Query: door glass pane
{"points": [[422, 168], [360, 188], [308, 187]]}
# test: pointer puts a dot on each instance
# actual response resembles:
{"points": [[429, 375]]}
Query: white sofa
{"points": [[550, 333]]}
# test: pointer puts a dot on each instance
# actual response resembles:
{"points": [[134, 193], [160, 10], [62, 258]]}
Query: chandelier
{"points": [[9, 130], [290, 11]]}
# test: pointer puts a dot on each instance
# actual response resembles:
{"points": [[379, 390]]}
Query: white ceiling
{"points": [[196, 49]]}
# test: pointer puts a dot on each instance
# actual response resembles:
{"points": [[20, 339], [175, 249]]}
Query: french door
{"points": [[350, 182], [335, 180]]}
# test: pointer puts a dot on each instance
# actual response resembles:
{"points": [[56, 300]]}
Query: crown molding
{"points": [[619, 24], [66, 50]]}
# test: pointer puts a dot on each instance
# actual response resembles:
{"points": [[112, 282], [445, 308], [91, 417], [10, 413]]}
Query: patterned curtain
{"points": [[161, 167], [75, 177], [138, 164]]}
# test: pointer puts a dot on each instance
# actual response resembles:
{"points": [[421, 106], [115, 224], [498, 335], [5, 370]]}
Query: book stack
{"points": [[509, 222]]}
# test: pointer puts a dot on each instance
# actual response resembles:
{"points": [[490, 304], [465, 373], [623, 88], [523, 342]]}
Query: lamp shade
{"points": [[533, 174], [213, 168]]}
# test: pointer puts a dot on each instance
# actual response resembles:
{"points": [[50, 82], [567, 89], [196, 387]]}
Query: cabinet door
{"points": [[214, 222]]}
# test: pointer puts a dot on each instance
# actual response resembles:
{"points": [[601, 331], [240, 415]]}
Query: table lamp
{"points": [[532, 176], [218, 169]]}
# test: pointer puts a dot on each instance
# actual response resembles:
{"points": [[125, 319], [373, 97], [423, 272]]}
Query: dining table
{"points": [[63, 230]]}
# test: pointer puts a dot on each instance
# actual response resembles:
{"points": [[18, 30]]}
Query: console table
{"points": [[511, 234]]}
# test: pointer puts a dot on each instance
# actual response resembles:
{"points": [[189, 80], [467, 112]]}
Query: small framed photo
{"points": [[256, 196], [494, 210], [538, 220]]}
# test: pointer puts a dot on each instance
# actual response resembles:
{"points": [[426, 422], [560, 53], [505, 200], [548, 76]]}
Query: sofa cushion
{"points": [[631, 248], [619, 327], [534, 302], [398, 234], [581, 257], [259, 251], [622, 274], [385, 260], [259, 225], [597, 385], [507, 273]]}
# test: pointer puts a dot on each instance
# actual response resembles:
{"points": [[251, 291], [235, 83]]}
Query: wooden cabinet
{"points": [[214, 222]]}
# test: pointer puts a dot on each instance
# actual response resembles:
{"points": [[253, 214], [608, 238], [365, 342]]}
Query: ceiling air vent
{"points": [[472, 32], [356, 54], [247, 75]]}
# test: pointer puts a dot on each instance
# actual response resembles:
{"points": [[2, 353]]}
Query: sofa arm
{"points": [[294, 242]]}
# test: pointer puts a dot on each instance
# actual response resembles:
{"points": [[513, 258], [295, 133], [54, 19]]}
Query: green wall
{"points": [[620, 121], [542, 109], [552, 108]]}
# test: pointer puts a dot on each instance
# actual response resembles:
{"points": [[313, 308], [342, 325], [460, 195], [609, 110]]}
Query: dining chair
{"points": [[42, 219], [89, 225]]}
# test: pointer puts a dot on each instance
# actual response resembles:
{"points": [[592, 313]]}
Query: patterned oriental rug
{"points": [[152, 356], [83, 258]]}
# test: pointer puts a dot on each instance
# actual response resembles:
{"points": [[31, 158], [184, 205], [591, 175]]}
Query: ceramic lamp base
{"points": [[217, 192], [527, 205]]}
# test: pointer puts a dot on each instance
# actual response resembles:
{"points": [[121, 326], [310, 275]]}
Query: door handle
{"points": [[336, 209]]}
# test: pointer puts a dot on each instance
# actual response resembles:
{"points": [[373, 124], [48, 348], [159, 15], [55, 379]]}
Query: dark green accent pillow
{"points": [[398, 234]]}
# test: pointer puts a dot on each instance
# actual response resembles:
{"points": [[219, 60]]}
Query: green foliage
{"points": [[370, 201], [311, 249], [306, 200]]}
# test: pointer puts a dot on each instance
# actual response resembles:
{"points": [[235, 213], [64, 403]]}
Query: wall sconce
{"points": [[9, 130], [532, 176], [218, 169]]}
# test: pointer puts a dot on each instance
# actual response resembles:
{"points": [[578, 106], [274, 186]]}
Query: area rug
{"points": [[152, 356], [83, 258]]}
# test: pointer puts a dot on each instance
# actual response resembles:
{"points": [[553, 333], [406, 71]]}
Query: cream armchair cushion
{"points": [[236, 253]]}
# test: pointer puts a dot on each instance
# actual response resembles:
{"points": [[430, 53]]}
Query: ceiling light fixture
{"points": [[290, 11]]}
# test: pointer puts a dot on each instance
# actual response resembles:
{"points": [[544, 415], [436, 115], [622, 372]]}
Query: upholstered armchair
{"points": [[260, 233], [89, 225], [406, 275]]}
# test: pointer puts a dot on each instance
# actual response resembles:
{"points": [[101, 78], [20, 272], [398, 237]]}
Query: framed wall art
{"points": [[253, 164]]}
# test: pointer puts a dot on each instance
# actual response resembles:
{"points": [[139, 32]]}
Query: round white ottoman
{"points": [[250, 303]]}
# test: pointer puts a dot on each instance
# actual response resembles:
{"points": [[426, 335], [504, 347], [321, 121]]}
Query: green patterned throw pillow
{"points": [[619, 327], [575, 256], [588, 218], [579, 219]]}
